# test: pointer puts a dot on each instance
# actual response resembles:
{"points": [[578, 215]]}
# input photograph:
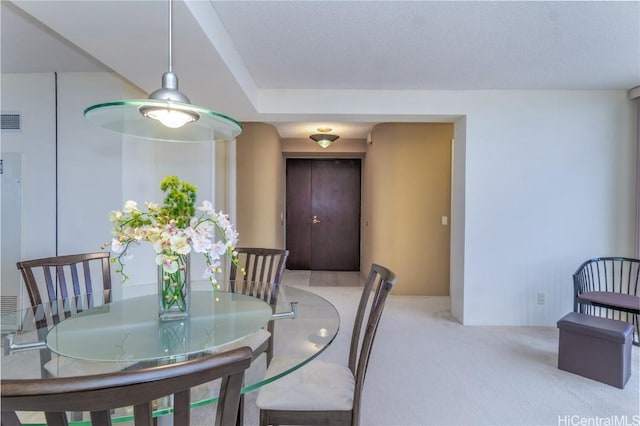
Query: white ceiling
{"points": [[237, 56]]}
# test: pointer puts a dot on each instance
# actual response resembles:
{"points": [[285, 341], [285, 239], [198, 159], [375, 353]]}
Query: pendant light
{"points": [[324, 139], [166, 115]]}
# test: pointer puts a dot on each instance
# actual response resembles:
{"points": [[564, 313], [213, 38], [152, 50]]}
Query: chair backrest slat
{"points": [[51, 288], [87, 276], [74, 278], [143, 414], [61, 288], [59, 419]]}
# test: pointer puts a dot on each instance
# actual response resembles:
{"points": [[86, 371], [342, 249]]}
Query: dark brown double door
{"points": [[323, 214]]}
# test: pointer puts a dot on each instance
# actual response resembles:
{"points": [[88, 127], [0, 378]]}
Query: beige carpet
{"points": [[334, 279], [427, 369]]}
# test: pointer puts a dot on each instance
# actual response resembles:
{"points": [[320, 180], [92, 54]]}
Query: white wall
{"points": [[33, 96], [98, 170], [28, 228], [456, 260], [89, 163], [549, 184]]}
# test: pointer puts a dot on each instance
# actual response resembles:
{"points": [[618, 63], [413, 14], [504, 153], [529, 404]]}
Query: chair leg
{"points": [[264, 418], [240, 417], [269, 355], [10, 418]]}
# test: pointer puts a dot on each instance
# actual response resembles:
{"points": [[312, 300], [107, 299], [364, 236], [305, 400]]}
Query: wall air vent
{"points": [[11, 122], [8, 313]]}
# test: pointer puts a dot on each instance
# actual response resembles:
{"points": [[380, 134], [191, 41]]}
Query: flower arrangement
{"points": [[175, 229]]}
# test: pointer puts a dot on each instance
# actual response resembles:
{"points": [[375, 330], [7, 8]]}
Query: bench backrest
{"points": [[620, 275]]}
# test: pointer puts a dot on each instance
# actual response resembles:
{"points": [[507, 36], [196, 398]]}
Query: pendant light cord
{"points": [[170, 35]]}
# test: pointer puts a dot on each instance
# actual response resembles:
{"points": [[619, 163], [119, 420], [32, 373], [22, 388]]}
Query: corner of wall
{"points": [[458, 218]]}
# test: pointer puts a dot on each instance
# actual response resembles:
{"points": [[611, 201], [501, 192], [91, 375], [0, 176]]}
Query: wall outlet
{"points": [[540, 298]]}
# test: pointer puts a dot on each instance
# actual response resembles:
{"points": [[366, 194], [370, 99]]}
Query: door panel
{"points": [[335, 200], [298, 193], [330, 191]]}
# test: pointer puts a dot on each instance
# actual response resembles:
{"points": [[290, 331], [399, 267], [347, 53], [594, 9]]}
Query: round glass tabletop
{"points": [[129, 330]]}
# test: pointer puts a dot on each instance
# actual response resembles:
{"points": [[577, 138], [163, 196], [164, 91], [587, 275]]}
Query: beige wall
{"points": [[260, 187], [406, 191], [220, 176]]}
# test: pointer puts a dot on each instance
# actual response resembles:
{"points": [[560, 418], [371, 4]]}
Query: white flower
{"points": [[130, 207], [212, 269], [169, 265], [220, 248], [114, 216], [206, 207], [201, 243], [208, 272], [209, 232], [231, 236], [152, 234], [116, 246], [152, 206], [206, 228], [179, 244], [158, 247]]}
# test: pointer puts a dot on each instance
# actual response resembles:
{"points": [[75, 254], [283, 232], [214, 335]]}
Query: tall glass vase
{"points": [[174, 289]]}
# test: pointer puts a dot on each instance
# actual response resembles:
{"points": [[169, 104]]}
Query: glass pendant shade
{"points": [[127, 117], [167, 115], [324, 140]]}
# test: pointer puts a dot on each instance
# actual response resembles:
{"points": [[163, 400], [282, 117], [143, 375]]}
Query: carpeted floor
{"points": [[334, 279], [427, 369]]}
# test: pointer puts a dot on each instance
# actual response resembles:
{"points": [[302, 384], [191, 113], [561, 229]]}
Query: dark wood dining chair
{"points": [[98, 394], [78, 281], [79, 276], [258, 273], [263, 270], [259, 264], [303, 397]]}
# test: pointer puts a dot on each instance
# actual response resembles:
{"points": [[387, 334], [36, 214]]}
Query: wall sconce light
{"points": [[323, 139]]}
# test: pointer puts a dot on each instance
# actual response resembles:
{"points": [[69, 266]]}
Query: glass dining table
{"points": [[65, 338]]}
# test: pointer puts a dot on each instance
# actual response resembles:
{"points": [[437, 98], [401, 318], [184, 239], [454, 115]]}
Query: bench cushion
{"points": [[603, 328], [612, 300]]}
